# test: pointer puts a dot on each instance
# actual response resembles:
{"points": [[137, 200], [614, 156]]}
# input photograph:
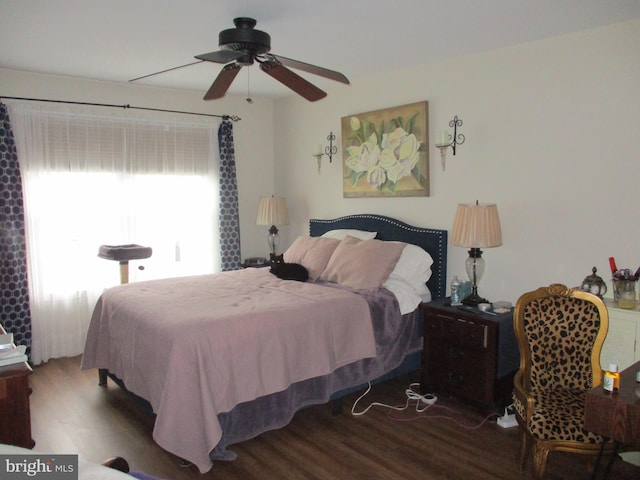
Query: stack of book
{"points": [[9, 352]]}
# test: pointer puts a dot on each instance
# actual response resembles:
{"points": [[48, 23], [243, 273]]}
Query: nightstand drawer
{"points": [[457, 358], [455, 372], [457, 331]]}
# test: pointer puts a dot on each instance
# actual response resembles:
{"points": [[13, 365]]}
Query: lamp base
{"points": [[273, 239], [475, 269], [474, 299]]}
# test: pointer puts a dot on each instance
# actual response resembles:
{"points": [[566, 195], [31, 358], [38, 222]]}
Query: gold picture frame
{"points": [[385, 152]]}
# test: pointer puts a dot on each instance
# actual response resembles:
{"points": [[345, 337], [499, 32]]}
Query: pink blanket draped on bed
{"points": [[195, 347]]}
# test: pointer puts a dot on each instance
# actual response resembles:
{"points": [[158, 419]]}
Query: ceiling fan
{"points": [[241, 46]]}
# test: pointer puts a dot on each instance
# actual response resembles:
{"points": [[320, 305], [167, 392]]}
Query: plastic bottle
{"points": [[611, 381], [455, 291]]}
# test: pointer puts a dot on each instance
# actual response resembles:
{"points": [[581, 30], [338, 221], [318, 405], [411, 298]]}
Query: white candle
{"points": [[443, 138], [318, 150]]}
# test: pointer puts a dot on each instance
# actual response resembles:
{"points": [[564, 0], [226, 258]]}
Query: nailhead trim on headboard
{"points": [[434, 241]]}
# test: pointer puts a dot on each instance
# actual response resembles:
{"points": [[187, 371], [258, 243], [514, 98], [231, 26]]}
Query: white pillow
{"points": [[414, 266], [341, 233], [408, 299]]}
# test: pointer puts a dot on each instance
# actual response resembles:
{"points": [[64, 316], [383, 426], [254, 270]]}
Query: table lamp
{"points": [[272, 211], [476, 226]]}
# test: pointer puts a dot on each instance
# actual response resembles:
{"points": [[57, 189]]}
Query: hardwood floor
{"points": [[72, 414]]}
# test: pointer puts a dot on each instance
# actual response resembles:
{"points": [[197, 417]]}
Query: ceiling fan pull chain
{"points": [[249, 99]]}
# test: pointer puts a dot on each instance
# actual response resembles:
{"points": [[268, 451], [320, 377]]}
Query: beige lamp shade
{"points": [[272, 211], [476, 226]]}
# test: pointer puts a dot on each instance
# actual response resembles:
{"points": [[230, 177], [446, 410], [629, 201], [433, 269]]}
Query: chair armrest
{"points": [[523, 401]]}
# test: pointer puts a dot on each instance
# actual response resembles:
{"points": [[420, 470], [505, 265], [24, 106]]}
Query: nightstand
{"points": [[15, 415], [256, 262], [469, 354]]}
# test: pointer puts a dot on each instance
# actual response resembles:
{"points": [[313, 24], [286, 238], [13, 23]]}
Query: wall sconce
{"points": [[329, 150], [445, 140]]}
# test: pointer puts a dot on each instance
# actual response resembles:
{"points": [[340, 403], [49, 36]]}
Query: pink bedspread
{"points": [[195, 347]]}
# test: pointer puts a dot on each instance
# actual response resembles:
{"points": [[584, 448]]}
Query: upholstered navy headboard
{"points": [[432, 240]]}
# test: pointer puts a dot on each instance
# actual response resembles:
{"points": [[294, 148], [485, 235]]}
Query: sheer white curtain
{"points": [[95, 176]]}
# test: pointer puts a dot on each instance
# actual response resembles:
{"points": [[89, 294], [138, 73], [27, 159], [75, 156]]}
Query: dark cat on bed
{"points": [[288, 271]]}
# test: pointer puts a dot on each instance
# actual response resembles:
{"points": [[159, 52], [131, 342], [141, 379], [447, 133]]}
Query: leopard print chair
{"points": [[560, 332]]}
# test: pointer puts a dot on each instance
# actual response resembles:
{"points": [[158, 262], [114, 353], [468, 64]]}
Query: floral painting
{"points": [[385, 153]]}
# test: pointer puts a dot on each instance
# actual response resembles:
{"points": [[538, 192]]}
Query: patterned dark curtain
{"points": [[15, 313], [229, 217]]}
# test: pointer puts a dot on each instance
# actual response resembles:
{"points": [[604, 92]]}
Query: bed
{"points": [[278, 346]]}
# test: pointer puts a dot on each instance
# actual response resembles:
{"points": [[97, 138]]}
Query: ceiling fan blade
{"points": [[221, 56], [307, 67], [292, 80], [222, 82], [164, 71]]}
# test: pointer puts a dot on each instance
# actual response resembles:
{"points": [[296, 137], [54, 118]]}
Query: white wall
{"points": [[253, 135], [551, 136]]}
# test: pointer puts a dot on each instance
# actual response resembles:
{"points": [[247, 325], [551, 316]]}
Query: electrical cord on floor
{"points": [[432, 415], [422, 404]]}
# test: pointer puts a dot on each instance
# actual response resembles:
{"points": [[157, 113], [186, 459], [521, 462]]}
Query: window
{"points": [[94, 179]]}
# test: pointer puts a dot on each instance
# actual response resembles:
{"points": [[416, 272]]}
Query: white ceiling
{"points": [[118, 40]]}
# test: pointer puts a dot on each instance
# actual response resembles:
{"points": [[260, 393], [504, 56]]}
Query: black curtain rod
{"points": [[234, 118]]}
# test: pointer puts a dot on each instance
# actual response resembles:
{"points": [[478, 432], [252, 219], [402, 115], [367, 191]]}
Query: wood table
{"points": [[616, 415]]}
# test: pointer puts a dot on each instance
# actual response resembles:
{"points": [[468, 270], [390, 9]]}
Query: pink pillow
{"points": [[313, 253], [362, 264]]}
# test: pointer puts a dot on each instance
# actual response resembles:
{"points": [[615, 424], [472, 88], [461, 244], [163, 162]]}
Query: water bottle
{"points": [[455, 291]]}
